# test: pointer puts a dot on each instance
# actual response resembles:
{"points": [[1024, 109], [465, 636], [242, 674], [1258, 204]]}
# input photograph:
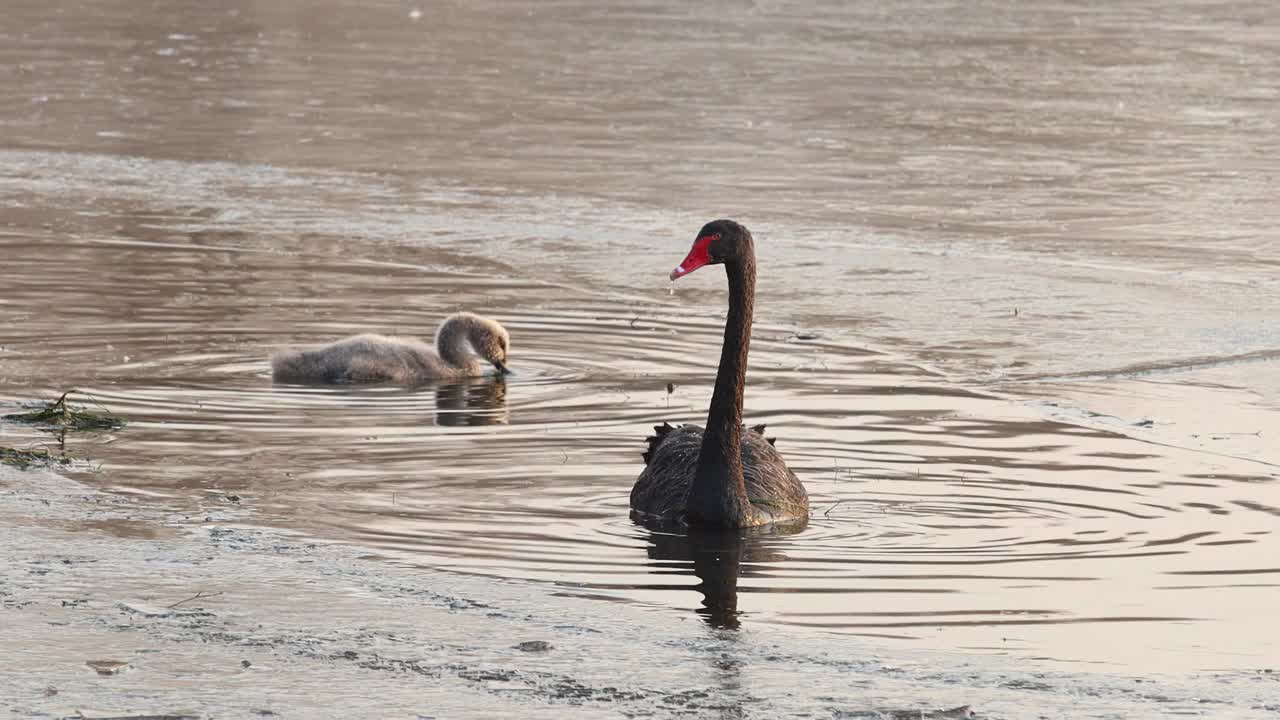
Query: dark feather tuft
{"points": [[660, 433], [759, 430]]}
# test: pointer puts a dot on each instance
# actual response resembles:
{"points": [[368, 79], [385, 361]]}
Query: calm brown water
{"points": [[1020, 233]]}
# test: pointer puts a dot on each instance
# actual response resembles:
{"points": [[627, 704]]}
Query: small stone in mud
{"points": [[50, 691], [233, 498], [534, 646], [806, 335], [350, 654], [246, 664], [107, 667], [1145, 423]]}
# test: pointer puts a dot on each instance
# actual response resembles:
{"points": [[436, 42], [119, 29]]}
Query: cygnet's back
{"points": [[379, 358]]}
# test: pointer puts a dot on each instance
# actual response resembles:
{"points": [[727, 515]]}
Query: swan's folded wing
{"points": [[670, 465], [770, 483]]}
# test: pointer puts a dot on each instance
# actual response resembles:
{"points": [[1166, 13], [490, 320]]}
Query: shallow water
{"points": [[1033, 245]]}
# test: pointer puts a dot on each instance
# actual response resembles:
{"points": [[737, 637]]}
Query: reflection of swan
{"points": [[477, 401], [718, 557], [726, 476], [377, 358]]}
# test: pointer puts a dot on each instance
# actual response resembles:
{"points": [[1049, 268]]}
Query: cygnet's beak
{"points": [[502, 367]]}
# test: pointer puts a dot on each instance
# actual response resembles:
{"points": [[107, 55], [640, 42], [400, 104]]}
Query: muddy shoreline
{"points": [[217, 618]]}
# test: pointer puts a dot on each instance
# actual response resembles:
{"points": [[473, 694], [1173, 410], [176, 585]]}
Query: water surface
{"points": [[1033, 245]]}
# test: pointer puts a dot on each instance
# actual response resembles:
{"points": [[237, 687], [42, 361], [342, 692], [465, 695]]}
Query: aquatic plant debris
{"points": [[61, 414], [23, 459]]}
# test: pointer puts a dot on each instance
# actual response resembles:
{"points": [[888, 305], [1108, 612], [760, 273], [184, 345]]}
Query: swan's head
{"points": [[718, 241], [491, 342]]}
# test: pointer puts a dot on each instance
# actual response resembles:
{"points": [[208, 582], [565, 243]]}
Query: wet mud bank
{"points": [[113, 607]]}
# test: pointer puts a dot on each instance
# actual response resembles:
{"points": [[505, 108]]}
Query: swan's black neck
{"points": [[718, 496]]}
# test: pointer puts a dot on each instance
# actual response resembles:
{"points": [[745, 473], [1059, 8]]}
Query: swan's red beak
{"points": [[698, 256]]}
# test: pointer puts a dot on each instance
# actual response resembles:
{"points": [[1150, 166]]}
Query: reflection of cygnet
{"points": [[472, 402], [377, 358]]}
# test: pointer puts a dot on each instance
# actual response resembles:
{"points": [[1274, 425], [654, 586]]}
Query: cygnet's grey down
{"points": [[381, 359]]}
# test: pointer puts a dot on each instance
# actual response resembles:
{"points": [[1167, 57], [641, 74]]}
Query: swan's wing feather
{"points": [[759, 430], [660, 433]]}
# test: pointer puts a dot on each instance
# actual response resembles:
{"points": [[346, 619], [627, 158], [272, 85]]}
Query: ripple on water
{"points": [[939, 513]]}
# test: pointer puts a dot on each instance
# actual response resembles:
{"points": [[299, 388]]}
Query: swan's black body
{"points": [[670, 467], [725, 475]]}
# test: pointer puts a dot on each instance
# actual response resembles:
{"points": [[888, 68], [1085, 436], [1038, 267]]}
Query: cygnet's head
{"points": [[491, 342]]}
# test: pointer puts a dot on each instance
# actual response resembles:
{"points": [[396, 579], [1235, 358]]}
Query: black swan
{"points": [[377, 358], [727, 476]]}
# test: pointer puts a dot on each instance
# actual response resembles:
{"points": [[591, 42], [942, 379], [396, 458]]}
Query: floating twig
{"points": [[198, 596]]}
